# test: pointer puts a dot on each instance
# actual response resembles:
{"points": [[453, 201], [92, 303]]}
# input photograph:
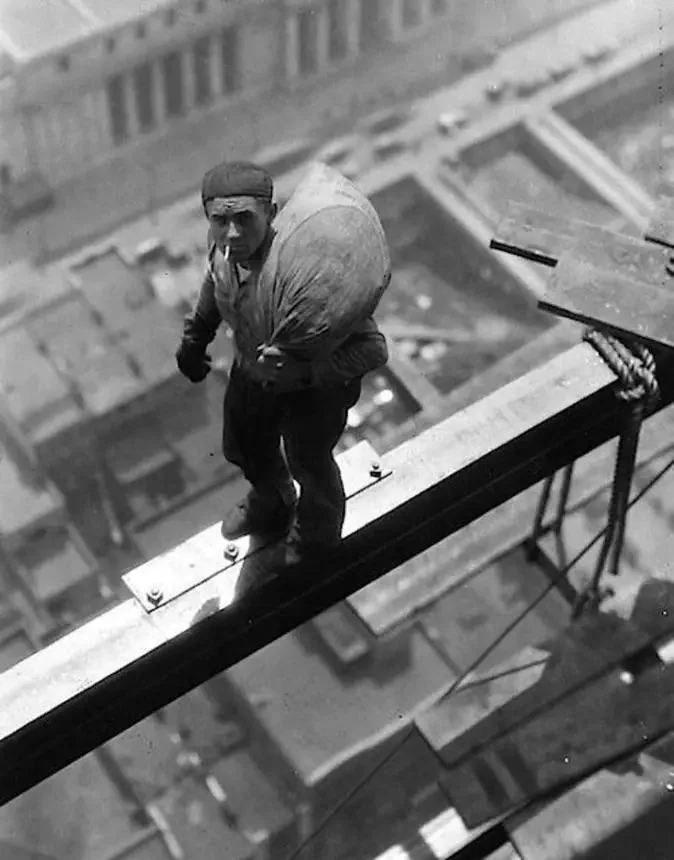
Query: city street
{"points": [[170, 167]]}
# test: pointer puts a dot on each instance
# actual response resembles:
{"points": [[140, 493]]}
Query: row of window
{"points": [[172, 66], [411, 11], [170, 17], [369, 28], [308, 35], [338, 24], [171, 69]]}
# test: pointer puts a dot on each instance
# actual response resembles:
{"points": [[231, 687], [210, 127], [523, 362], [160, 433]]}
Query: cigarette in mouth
{"points": [[227, 250]]}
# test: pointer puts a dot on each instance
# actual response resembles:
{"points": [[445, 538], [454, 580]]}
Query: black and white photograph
{"points": [[336, 486]]}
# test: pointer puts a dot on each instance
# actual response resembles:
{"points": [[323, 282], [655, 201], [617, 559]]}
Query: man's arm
{"points": [[363, 351], [201, 324], [199, 329]]}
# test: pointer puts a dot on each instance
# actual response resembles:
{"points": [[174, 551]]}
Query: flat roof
{"points": [[147, 846], [147, 757], [76, 812], [469, 618], [149, 332], [14, 647], [84, 352], [200, 715], [38, 397], [23, 502], [137, 455], [52, 573], [319, 718], [251, 795], [24, 287], [196, 822], [109, 14], [443, 722], [18, 852], [29, 28]]}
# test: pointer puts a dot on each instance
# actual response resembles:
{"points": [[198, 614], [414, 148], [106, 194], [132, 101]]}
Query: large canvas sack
{"points": [[327, 269]]}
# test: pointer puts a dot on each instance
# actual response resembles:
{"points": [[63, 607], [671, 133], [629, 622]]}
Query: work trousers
{"points": [[274, 438]]}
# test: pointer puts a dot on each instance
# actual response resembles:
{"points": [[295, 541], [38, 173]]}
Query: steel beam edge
{"points": [[82, 690]]}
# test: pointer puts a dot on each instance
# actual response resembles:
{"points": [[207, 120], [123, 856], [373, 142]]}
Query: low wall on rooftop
{"points": [[638, 87]]}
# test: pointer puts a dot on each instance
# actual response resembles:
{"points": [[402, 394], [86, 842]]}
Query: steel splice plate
{"points": [[207, 554]]}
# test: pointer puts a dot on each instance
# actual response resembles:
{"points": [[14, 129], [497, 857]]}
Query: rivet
{"points": [[231, 551], [155, 595], [627, 677]]}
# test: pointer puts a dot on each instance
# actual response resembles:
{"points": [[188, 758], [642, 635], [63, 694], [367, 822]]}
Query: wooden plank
{"points": [[631, 257], [622, 813], [542, 236], [588, 724], [660, 228], [598, 296]]}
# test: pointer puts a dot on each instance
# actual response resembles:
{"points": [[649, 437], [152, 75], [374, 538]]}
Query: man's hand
{"points": [[193, 362], [280, 372]]}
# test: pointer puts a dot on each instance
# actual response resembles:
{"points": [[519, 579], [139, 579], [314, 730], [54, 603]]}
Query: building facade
{"points": [[75, 95], [72, 102]]}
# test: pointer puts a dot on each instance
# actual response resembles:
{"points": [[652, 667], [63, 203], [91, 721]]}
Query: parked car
{"points": [[451, 121], [596, 54], [559, 71], [284, 157], [527, 86], [386, 121], [496, 89], [388, 146], [343, 155]]}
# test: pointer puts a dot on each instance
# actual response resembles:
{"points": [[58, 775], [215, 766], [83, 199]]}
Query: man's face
{"points": [[240, 223]]}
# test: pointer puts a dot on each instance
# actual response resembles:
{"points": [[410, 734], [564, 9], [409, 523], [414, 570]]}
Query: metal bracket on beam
{"points": [[207, 554]]}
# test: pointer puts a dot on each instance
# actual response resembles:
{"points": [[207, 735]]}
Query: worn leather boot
{"points": [[295, 551], [255, 516]]}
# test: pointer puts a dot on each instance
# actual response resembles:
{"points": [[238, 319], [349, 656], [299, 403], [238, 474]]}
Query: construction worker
{"points": [[274, 397]]}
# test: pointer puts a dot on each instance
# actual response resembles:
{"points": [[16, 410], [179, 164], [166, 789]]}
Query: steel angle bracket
{"points": [[208, 554]]}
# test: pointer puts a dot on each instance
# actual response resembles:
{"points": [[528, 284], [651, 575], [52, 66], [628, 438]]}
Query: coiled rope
{"points": [[635, 367]]}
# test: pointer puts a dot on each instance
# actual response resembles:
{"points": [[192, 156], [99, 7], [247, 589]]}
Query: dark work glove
{"points": [[193, 361], [281, 373]]}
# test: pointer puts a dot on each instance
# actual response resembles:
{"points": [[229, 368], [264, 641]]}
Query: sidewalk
{"points": [[170, 168]]}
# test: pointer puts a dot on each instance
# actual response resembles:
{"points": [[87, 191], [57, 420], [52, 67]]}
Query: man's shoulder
{"points": [[366, 326]]}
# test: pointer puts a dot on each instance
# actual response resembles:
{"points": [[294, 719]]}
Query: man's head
{"points": [[238, 201]]}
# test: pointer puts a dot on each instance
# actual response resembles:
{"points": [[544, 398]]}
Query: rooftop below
{"points": [[29, 28], [25, 502], [319, 718]]}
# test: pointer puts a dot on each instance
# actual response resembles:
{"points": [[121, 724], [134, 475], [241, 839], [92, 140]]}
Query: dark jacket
{"points": [[364, 350]]}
